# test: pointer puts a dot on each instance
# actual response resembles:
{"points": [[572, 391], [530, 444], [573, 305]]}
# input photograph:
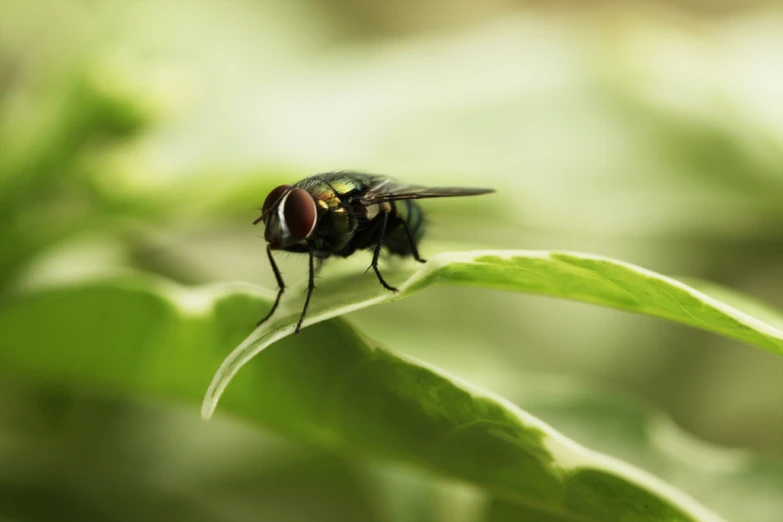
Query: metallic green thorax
{"points": [[345, 225]]}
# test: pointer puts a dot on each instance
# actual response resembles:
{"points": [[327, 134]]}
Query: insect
{"points": [[338, 213]]}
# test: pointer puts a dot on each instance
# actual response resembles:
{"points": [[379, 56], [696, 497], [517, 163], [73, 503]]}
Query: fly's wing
{"points": [[390, 190]]}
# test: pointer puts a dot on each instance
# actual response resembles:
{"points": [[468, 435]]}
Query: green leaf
{"points": [[97, 457], [580, 277], [634, 432], [329, 387]]}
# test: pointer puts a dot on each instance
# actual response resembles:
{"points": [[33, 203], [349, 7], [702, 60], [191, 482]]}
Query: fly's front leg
{"points": [[280, 286], [377, 254], [310, 288]]}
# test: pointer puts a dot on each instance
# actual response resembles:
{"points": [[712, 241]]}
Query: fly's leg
{"points": [[412, 241], [280, 286], [310, 288], [377, 253]]}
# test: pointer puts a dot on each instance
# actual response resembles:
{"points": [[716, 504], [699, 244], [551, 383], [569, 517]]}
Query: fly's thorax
{"points": [[326, 196], [335, 229], [335, 184], [336, 222]]}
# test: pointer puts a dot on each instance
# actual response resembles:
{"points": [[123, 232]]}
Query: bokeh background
{"points": [[144, 135]]}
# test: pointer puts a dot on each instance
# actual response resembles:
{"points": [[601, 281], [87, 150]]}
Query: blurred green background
{"points": [[144, 135]]}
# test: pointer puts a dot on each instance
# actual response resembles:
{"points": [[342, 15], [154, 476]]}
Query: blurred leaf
{"points": [[329, 387], [580, 277], [408, 495], [633, 431], [104, 458], [43, 197]]}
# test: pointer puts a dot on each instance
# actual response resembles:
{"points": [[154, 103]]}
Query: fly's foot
{"points": [[383, 282]]}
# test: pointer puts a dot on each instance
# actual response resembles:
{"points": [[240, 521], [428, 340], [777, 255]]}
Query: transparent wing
{"points": [[391, 190]]}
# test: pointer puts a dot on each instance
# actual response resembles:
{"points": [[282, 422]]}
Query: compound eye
{"points": [[274, 197], [300, 213]]}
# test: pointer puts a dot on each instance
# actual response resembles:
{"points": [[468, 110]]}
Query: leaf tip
{"points": [[208, 407]]}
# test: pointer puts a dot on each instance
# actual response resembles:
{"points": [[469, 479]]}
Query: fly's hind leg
{"points": [[377, 253], [412, 242]]}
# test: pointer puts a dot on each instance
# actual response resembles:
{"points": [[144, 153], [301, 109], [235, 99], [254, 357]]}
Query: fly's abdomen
{"points": [[396, 239]]}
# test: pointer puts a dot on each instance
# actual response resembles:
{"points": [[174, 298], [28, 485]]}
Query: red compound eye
{"points": [[300, 213], [271, 199]]}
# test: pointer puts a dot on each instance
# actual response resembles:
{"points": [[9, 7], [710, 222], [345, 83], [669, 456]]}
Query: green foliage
{"points": [[594, 143], [333, 388]]}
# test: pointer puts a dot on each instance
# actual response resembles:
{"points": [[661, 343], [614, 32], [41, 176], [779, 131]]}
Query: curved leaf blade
{"points": [[637, 433], [330, 387], [580, 277]]}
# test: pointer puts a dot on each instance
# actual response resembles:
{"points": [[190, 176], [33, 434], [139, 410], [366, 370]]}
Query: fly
{"points": [[338, 213]]}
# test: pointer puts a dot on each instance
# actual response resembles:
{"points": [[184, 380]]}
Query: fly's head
{"points": [[289, 215]]}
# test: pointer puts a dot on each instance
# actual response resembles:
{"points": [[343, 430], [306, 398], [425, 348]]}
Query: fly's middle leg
{"points": [[377, 253]]}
